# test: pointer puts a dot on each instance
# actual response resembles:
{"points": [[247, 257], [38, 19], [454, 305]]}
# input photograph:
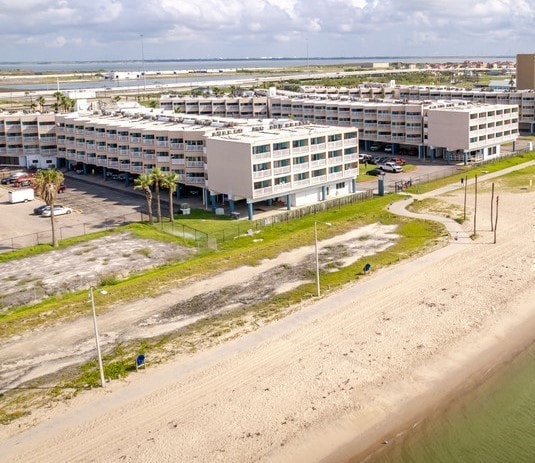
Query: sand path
{"points": [[300, 388]]}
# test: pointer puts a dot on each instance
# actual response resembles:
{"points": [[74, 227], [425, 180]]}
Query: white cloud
{"points": [[62, 29]]}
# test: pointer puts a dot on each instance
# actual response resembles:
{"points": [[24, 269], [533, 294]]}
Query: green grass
{"points": [[471, 172]]}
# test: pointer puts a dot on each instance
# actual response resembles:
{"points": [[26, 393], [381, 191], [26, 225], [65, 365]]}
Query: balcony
{"points": [[281, 153], [282, 170], [102, 162], [194, 148], [262, 191], [303, 167], [195, 164], [318, 163], [178, 161], [261, 156], [262, 174], [334, 144], [319, 179], [282, 187], [300, 150], [195, 180], [163, 159], [113, 163], [318, 147]]}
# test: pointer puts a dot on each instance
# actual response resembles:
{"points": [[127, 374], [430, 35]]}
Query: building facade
{"points": [[227, 160], [525, 71]]}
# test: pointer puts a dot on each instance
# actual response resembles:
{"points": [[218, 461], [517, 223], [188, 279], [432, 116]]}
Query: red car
{"points": [[398, 161], [62, 188]]}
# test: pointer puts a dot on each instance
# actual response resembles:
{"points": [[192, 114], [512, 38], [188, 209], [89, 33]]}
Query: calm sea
{"points": [[493, 423], [182, 65]]}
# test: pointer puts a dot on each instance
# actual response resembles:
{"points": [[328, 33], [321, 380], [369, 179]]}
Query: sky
{"points": [[88, 30]]}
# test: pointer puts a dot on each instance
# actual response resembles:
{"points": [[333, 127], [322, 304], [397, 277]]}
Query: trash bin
{"points": [[234, 215]]}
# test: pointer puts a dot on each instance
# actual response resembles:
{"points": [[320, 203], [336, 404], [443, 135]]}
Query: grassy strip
{"points": [[471, 172]]}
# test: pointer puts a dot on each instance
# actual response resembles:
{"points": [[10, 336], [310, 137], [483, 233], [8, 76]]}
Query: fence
{"points": [[63, 232]]}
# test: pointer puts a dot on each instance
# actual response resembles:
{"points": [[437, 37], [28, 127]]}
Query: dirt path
{"points": [[45, 351]]}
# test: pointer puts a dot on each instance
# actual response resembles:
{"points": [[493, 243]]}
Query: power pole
{"points": [[496, 222], [475, 205], [491, 207]]}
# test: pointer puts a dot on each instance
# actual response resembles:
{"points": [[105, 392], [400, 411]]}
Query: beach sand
{"points": [[329, 382]]}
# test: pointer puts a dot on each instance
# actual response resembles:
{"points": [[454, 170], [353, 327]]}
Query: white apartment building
{"points": [[289, 162], [28, 140], [524, 99], [380, 117], [229, 160]]}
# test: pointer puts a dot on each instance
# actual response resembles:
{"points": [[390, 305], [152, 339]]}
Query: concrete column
{"points": [[85, 168], [127, 179], [421, 154], [270, 202], [514, 146], [104, 170], [353, 185], [231, 205], [465, 157], [323, 193], [250, 211], [213, 201], [288, 203]]}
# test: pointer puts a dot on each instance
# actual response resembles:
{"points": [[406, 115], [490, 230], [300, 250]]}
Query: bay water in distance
{"points": [[493, 423]]}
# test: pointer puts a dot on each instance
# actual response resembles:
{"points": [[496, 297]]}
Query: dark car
{"points": [[375, 172], [39, 210]]}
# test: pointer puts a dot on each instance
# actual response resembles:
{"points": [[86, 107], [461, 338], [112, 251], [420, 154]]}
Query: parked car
{"points": [[13, 178], [62, 188], [39, 210], [391, 167], [398, 161], [58, 210], [376, 147], [388, 149], [375, 172]]}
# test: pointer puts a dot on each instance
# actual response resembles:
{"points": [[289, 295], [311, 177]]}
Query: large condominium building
{"points": [[405, 124], [234, 160], [524, 99], [525, 71]]}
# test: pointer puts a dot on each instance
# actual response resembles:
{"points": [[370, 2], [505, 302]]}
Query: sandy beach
{"points": [[331, 381]]}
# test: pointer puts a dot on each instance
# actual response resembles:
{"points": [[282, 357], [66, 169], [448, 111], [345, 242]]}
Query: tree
{"points": [[144, 182], [169, 182], [41, 102], [48, 182], [59, 97], [158, 177]]}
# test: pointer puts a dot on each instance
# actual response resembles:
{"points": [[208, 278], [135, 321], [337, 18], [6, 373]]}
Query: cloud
{"points": [[111, 29]]}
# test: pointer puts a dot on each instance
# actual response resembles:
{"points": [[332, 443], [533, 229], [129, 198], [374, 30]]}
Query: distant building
{"points": [[525, 71]]}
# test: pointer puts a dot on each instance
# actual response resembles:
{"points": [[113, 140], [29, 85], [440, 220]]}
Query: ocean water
{"points": [[493, 423], [244, 63]]}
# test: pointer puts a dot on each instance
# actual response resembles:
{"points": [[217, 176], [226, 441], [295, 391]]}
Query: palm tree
{"points": [[158, 177], [48, 182], [169, 182], [57, 105], [144, 182], [41, 102]]}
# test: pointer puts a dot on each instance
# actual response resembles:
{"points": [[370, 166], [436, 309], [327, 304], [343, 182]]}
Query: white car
{"points": [[58, 210], [391, 167]]}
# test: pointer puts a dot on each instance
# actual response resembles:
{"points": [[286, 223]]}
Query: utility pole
{"points": [[475, 206], [143, 65], [496, 221], [491, 208]]}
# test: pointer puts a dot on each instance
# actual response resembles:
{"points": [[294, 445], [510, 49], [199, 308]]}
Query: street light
{"points": [[99, 355], [318, 290]]}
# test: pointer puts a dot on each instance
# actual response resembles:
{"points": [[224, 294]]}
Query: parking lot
{"points": [[95, 206]]}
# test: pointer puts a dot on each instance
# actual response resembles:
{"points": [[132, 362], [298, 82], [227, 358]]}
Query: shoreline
{"points": [[499, 348]]}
